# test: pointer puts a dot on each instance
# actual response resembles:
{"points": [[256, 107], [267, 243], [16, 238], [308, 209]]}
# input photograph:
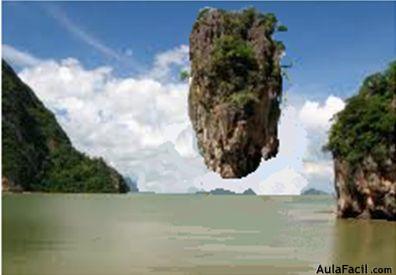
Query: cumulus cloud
{"points": [[166, 62], [321, 168], [283, 182], [164, 169], [314, 115], [134, 112], [317, 119], [140, 125]]}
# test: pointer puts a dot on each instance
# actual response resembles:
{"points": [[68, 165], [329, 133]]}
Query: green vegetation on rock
{"points": [[363, 143], [234, 67], [37, 155], [367, 125], [234, 62], [242, 98], [282, 28], [184, 75]]}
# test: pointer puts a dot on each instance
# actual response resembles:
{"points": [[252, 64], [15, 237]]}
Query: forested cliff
{"points": [[363, 143], [37, 155]]}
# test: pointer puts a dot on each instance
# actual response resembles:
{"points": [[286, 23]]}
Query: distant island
{"points": [[37, 154], [313, 191], [221, 191], [249, 192]]}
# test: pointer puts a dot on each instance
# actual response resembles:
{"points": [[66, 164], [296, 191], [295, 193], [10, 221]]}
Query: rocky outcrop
{"points": [[235, 89], [363, 144], [365, 192], [37, 155]]}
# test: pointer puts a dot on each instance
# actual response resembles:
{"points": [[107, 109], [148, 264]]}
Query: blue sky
{"points": [[108, 70], [333, 44]]}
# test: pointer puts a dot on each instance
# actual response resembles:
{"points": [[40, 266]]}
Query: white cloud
{"points": [[141, 126], [283, 182], [137, 124], [186, 143], [314, 115], [317, 119], [324, 169], [164, 169], [165, 61], [19, 58], [142, 109]]}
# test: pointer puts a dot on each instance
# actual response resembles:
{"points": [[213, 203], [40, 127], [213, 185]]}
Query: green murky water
{"points": [[185, 234]]}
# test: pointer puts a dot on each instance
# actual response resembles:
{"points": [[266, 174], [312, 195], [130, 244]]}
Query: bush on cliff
{"points": [[367, 125]]}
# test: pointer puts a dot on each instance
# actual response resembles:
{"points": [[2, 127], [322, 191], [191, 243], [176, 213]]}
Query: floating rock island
{"points": [[236, 88], [363, 143]]}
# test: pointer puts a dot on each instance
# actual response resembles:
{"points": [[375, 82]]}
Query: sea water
{"points": [[185, 234]]}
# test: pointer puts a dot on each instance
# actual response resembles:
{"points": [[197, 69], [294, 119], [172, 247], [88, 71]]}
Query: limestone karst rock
{"points": [[235, 89], [363, 143]]}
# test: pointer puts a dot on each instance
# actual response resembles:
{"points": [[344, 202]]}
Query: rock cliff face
{"points": [[366, 192], [37, 155], [363, 144], [235, 89]]}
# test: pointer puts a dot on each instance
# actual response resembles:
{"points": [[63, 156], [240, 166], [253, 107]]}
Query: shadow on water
{"points": [[371, 242]]}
